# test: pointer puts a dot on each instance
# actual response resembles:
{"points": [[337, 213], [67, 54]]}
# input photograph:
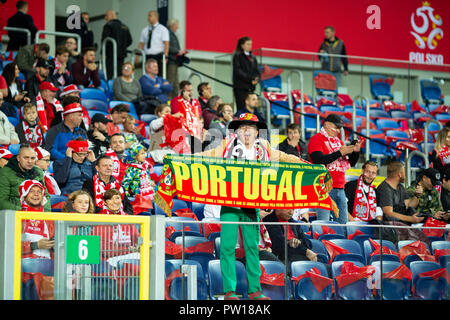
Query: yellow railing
{"points": [[100, 218]]}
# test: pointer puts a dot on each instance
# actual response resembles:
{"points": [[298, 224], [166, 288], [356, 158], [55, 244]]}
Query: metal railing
{"points": [[425, 126], [104, 64], [59, 34], [26, 31], [408, 158]]}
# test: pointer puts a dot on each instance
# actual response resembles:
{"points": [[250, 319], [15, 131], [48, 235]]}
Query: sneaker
{"points": [[257, 296], [231, 295]]}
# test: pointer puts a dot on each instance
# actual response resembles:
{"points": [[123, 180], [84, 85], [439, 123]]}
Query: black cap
{"points": [[334, 118], [98, 117], [43, 64], [431, 173]]}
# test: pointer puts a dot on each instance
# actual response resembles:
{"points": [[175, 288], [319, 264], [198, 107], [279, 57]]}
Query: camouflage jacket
{"points": [[429, 201]]}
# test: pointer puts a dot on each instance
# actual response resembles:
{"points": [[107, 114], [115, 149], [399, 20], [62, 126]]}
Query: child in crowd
{"points": [[43, 162], [131, 132], [29, 129], [79, 202], [138, 175]]}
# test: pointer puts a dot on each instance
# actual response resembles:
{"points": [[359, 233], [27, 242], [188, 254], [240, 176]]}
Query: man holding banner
{"points": [[242, 175]]}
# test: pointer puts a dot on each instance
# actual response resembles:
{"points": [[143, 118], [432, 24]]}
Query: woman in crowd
{"points": [[126, 88], [441, 153], [16, 95], [79, 202]]}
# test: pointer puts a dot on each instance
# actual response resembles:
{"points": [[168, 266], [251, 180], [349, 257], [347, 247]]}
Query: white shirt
{"points": [[160, 34]]}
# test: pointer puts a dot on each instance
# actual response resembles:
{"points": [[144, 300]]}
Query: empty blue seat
{"points": [[319, 248], [178, 223], [272, 291], [357, 290], [379, 113], [148, 117], [316, 227], [353, 226], [393, 289], [202, 257], [305, 289], [368, 249], [216, 284], [430, 91], [355, 251], [94, 94], [427, 288], [92, 104], [400, 115], [401, 135], [387, 124], [379, 88], [412, 257], [176, 285]]}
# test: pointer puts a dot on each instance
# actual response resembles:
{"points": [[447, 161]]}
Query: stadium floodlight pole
{"points": [[28, 33]]}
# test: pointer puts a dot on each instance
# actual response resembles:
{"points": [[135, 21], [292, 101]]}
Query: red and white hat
{"points": [[25, 188], [69, 89], [41, 153], [78, 145], [71, 108], [46, 85], [5, 154]]}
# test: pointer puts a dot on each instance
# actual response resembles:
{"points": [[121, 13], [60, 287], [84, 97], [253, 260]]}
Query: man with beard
{"points": [[117, 153], [85, 70], [98, 134], [361, 195]]}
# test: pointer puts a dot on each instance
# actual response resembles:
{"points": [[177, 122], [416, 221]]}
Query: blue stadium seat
{"points": [[430, 91], [412, 257], [93, 94], [400, 115], [91, 113], [175, 288], [355, 291], [215, 280], [353, 226], [198, 208], [379, 113], [323, 91], [387, 124], [368, 249], [443, 117], [316, 227], [359, 112], [319, 248], [97, 105], [202, 257], [425, 287], [274, 292], [54, 199], [305, 289], [14, 148], [147, 118], [13, 121], [443, 260], [179, 204], [353, 247], [401, 135], [393, 289], [179, 222], [380, 89]]}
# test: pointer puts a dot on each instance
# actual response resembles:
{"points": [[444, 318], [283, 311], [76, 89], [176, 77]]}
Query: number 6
{"points": [[83, 250]]}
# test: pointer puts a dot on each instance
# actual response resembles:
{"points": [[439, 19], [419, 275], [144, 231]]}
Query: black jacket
{"points": [[86, 34], [19, 39], [287, 148], [100, 147], [120, 32], [276, 233], [33, 84], [245, 69]]}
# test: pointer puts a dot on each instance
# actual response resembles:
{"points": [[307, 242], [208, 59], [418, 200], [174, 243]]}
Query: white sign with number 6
{"points": [[83, 250]]}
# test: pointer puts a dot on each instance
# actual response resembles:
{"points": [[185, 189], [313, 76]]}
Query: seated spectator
{"points": [[8, 108], [125, 87], [204, 93], [440, 156], [76, 168], [299, 247], [118, 155], [43, 162], [423, 190], [158, 123], [157, 135], [3, 86], [397, 208], [118, 115], [210, 111], [79, 202], [293, 144], [59, 71], [74, 97], [69, 129], [48, 107], [362, 197], [218, 127], [70, 90], [185, 94], [137, 179], [74, 55], [131, 132], [29, 130], [28, 55], [251, 106], [85, 70], [8, 134], [98, 134], [16, 95], [102, 181], [5, 155], [42, 74], [152, 84], [19, 168]]}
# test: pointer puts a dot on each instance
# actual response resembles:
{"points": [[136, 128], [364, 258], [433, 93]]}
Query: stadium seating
{"points": [[319, 248], [133, 112], [93, 94], [202, 257], [305, 289], [176, 285], [380, 88], [430, 91], [316, 227], [368, 249], [438, 245], [215, 280], [273, 291], [97, 105], [427, 288], [355, 251], [354, 226], [355, 291], [393, 289], [190, 229]]}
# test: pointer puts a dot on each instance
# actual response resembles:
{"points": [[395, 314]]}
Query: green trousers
{"points": [[250, 239]]}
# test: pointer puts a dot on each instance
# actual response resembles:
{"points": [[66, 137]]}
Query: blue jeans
{"points": [[338, 195]]}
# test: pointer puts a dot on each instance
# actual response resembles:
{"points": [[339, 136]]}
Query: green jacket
{"points": [[429, 201], [11, 176]]}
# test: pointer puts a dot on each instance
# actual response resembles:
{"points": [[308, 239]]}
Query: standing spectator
{"points": [[397, 208], [210, 111], [102, 181], [440, 156], [114, 28], [326, 148], [43, 162], [293, 144], [76, 168], [250, 106], [65, 131], [41, 75], [118, 115], [125, 87], [20, 20], [8, 134], [175, 52], [362, 197], [245, 71], [331, 46], [152, 84], [86, 34], [28, 130], [154, 40], [85, 70], [59, 72], [74, 55], [5, 155], [118, 155], [19, 168], [28, 56], [185, 92], [98, 134], [48, 107], [204, 93], [16, 94]]}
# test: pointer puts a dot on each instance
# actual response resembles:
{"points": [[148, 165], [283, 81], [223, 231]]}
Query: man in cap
{"points": [[326, 148], [69, 129], [48, 107], [98, 133], [247, 145], [72, 95], [33, 84], [70, 90]]}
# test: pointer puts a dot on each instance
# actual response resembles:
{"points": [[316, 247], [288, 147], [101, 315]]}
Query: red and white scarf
{"points": [[100, 188], [35, 140], [444, 155], [35, 230], [190, 122], [365, 206], [105, 210], [236, 150], [334, 144], [60, 79], [146, 187], [41, 110], [116, 162]]}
